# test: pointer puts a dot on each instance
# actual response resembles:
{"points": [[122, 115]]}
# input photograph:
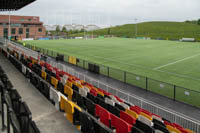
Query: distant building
{"points": [[21, 27]]}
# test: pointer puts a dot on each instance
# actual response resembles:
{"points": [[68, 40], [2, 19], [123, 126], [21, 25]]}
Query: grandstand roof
{"points": [[13, 5]]}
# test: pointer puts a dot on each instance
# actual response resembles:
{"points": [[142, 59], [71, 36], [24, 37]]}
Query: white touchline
{"points": [[176, 61]]}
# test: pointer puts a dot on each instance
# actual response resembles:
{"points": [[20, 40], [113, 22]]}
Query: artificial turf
{"points": [[165, 63]]}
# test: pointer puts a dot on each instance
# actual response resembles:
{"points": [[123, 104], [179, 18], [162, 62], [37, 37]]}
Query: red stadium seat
{"points": [[136, 109], [128, 118], [146, 112], [93, 92], [120, 100], [103, 114]]}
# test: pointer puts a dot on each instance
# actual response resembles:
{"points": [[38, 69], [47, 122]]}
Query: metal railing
{"points": [[171, 115]]}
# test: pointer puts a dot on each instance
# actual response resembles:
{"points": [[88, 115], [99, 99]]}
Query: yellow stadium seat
{"points": [[68, 91], [189, 131], [54, 82], [100, 93], [79, 86], [62, 103], [69, 83], [132, 113], [69, 110], [172, 129], [34, 61], [147, 116], [44, 75]]}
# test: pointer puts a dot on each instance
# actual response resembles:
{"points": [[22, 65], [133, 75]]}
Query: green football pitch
{"points": [[172, 62]]}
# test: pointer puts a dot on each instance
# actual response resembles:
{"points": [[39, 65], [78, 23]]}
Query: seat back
{"points": [[145, 120], [132, 113], [63, 99], [173, 129], [146, 115], [128, 118], [160, 127], [54, 82], [69, 110], [90, 105], [114, 119], [109, 101], [44, 75], [104, 116], [122, 126], [144, 127], [83, 92], [124, 105], [68, 91]]}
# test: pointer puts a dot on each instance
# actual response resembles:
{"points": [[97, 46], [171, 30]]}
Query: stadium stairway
{"points": [[179, 107], [45, 115]]}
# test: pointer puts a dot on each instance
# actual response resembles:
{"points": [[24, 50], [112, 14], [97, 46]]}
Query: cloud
{"points": [[112, 12]]}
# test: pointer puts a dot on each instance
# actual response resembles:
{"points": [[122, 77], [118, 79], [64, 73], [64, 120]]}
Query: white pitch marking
{"points": [[176, 61]]}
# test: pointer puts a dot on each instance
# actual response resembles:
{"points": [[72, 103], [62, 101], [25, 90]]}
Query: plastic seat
{"points": [[83, 92], [68, 91], [104, 115], [145, 120], [157, 117], [109, 101], [158, 122], [114, 110], [128, 118], [189, 131], [69, 109], [55, 97], [132, 113], [146, 115], [122, 126], [172, 129], [62, 102], [144, 127], [160, 127], [87, 124], [69, 83], [119, 107], [54, 82], [44, 75], [90, 105], [124, 105], [93, 92]]}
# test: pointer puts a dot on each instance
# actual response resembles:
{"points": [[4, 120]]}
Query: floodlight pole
{"points": [[136, 27]]}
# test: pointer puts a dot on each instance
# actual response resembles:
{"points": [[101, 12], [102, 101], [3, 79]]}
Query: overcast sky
{"points": [[111, 12]]}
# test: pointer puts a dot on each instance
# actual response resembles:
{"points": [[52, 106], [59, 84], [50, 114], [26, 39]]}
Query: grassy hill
{"points": [[170, 30]]}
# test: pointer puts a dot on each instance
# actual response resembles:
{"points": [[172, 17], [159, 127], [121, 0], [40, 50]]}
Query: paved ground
{"points": [[179, 107], [47, 118]]}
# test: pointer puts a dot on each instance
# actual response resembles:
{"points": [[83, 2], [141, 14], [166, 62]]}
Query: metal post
{"points": [[124, 76], [9, 29], [174, 92], [108, 71], [146, 83]]}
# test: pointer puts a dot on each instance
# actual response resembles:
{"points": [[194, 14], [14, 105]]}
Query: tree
{"points": [[108, 31], [82, 30], [64, 29], [57, 28], [198, 22]]}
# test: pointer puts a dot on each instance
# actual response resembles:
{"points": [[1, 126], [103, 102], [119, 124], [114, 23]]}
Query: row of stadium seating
{"points": [[74, 96], [19, 117]]}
